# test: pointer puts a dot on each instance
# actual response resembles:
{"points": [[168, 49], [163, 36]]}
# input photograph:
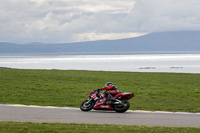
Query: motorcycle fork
{"points": [[89, 101]]}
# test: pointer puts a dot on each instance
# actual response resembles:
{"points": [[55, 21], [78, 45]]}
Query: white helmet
{"points": [[108, 84]]}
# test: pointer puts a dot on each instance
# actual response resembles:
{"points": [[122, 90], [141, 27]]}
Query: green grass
{"points": [[25, 127], [153, 91]]}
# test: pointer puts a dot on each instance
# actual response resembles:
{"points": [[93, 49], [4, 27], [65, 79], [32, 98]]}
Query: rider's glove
{"points": [[99, 89]]}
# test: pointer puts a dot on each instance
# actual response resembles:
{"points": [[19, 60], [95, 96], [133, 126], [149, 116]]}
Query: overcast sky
{"points": [[51, 21]]}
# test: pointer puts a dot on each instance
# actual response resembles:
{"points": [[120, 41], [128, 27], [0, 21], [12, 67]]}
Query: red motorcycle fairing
{"points": [[100, 104], [92, 92], [125, 96]]}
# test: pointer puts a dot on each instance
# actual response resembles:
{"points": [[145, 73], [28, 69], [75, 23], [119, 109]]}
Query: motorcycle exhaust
{"points": [[117, 103]]}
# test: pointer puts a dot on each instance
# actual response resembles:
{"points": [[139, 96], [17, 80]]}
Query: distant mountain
{"points": [[160, 41]]}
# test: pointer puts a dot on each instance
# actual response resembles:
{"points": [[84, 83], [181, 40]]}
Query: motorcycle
{"points": [[105, 101]]}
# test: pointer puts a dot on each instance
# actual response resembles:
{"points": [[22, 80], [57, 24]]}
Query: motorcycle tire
{"points": [[122, 108], [88, 107]]}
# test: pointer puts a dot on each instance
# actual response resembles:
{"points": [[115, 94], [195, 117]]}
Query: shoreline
{"points": [[102, 70]]}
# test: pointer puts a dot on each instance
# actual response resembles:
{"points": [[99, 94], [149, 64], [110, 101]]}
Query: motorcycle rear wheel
{"points": [[85, 107], [122, 108]]}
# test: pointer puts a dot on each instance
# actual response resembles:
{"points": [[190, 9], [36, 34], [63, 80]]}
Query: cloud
{"points": [[76, 20], [96, 36], [59, 21], [168, 15]]}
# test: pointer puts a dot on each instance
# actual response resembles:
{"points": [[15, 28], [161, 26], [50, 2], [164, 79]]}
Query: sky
{"points": [[60, 21]]}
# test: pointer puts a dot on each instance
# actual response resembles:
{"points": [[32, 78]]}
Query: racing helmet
{"points": [[108, 84]]}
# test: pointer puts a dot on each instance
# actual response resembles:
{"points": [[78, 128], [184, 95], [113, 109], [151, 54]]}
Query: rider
{"points": [[110, 88]]}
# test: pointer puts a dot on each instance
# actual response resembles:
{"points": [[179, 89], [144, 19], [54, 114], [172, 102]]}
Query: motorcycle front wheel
{"points": [[87, 107], [121, 108]]}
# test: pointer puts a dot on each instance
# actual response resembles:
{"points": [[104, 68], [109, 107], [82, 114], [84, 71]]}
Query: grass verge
{"points": [[153, 91], [24, 127]]}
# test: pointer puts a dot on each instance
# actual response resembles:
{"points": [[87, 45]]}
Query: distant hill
{"points": [[160, 41]]}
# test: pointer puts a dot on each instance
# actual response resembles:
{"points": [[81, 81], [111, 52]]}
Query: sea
{"points": [[170, 63]]}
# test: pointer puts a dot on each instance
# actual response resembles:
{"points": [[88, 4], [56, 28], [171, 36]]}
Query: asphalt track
{"points": [[23, 113]]}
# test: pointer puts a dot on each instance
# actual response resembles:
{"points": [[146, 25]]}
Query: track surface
{"points": [[22, 113]]}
